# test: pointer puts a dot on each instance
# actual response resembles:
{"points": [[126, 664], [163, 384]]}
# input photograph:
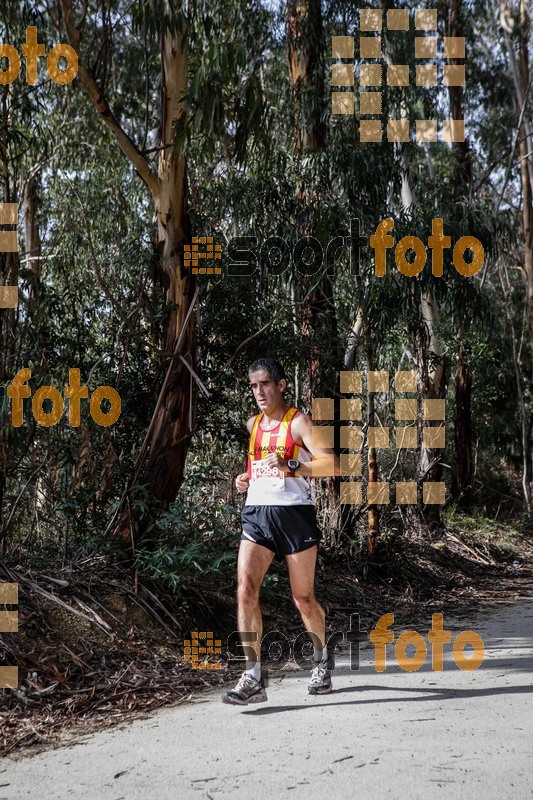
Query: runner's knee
{"points": [[303, 600], [248, 591]]}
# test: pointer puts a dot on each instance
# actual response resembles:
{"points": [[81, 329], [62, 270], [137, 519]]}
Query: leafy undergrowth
{"points": [[99, 645]]}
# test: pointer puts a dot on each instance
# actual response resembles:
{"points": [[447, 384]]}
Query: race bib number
{"points": [[261, 471]]}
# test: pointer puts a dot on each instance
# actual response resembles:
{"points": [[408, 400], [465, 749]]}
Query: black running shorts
{"points": [[283, 529]]}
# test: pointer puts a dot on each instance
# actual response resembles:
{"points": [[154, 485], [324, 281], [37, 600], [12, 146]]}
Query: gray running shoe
{"points": [[320, 682], [248, 690]]}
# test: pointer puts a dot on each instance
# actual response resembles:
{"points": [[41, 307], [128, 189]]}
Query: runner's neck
{"points": [[269, 423]]}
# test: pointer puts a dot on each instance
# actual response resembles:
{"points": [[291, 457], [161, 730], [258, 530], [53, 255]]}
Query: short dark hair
{"points": [[273, 367]]}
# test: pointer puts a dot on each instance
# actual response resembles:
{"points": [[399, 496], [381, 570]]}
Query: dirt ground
{"points": [[97, 648]]}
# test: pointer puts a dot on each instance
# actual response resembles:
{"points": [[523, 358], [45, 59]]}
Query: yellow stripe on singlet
{"points": [[251, 443], [284, 427], [283, 433]]}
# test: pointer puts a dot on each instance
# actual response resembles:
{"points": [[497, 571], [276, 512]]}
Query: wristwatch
{"points": [[293, 464]]}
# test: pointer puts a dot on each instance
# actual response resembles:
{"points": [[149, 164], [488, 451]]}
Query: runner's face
{"points": [[267, 393]]}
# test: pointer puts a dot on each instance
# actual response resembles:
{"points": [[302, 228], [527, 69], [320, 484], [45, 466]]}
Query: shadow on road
{"points": [[431, 694]]}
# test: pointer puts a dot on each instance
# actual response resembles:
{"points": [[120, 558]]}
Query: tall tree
{"points": [[317, 315], [307, 80], [172, 425], [517, 22], [463, 467]]}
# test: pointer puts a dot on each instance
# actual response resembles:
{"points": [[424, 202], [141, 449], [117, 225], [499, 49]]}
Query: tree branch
{"points": [[101, 104]]}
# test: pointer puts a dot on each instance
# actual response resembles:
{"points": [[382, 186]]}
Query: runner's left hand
{"points": [[275, 460]]}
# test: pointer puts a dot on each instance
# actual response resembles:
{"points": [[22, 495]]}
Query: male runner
{"points": [[279, 519]]}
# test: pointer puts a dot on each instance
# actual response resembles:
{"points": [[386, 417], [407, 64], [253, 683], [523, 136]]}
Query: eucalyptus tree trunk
{"points": [[520, 74], [317, 318], [429, 356], [9, 272], [526, 175], [431, 385], [373, 469], [354, 338], [306, 72], [172, 425], [360, 337], [463, 155], [463, 472], [32, 236], [463, 466], [32, 256], [527, 466], [519, 70], [526, 165]]}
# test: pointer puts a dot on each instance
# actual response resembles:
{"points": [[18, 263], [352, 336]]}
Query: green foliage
{"points": [[193, 540]]}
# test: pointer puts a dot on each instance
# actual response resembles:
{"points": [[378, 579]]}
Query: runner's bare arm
{"points": [[325, 462], [242, 480]]}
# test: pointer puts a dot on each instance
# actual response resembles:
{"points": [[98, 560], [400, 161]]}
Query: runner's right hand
{"points": [[242, 481]]}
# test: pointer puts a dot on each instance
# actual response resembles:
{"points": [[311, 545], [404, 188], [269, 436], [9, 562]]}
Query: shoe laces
{"points": [[245, 681], [318, 673]]}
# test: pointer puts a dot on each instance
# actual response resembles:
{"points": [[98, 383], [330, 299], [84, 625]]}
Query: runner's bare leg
{"points": [[302, 576], [252, 566]]}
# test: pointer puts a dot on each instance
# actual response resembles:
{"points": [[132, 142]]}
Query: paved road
{"points": [[395, 734]]}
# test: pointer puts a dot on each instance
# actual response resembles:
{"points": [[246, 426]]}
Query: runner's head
{"points": [[268, 382]]}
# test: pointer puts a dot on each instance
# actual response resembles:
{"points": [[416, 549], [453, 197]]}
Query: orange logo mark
{"points": [[196, 655], [192, 255]]}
